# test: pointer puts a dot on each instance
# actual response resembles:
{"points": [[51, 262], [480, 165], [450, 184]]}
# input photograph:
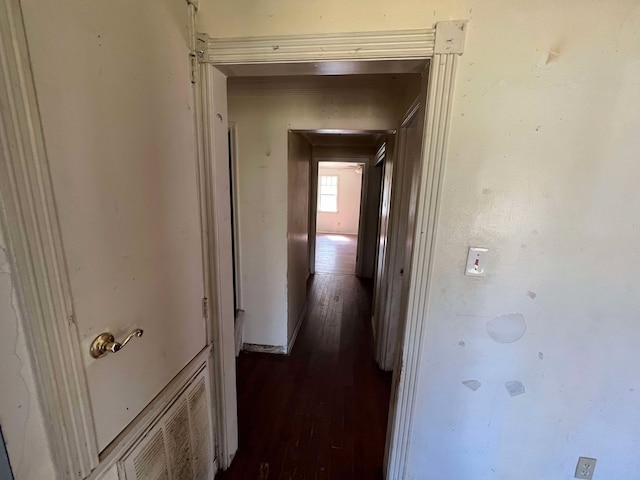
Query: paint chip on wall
{"points": [[514, 387]]}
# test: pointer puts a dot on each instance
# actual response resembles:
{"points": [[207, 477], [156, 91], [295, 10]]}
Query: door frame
{"points": [[235, 195], [374, 52], [338, 154], [30, 223], [394, 251]]}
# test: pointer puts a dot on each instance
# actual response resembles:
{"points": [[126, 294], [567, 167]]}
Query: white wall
{"points": [[264, 110], [21, 415], [542, 168], [346, 219], [299, 164]]}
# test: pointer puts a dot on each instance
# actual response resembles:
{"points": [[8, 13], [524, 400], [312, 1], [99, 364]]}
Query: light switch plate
{"points": [[585, 468], [476, 262]]}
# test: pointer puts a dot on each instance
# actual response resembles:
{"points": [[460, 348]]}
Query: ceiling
{"points": [[344, 138], [340, 165]]}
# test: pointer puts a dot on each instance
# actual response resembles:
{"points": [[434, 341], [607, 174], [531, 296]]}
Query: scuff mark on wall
{"points": [[461, 343], [532, 295], [507, 328]]}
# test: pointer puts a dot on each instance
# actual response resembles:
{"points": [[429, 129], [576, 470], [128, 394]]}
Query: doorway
{"points": [[268, 151], [338, 216]]}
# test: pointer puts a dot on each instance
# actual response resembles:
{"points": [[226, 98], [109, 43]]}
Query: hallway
{"points": [[321, 412]]}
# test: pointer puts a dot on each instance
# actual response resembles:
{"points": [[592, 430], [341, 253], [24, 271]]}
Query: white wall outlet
{"points": [[476, 260], [585, 467]]}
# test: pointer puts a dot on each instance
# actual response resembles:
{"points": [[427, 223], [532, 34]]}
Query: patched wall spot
{"points": [[507, 328], [514, 387], [472, 384]]}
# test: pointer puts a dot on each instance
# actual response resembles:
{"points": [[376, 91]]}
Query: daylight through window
{"points": [[328, 193]]}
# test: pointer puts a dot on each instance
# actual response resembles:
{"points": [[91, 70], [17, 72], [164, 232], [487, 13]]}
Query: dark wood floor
{"points": [[336, 253], [320, 413]]}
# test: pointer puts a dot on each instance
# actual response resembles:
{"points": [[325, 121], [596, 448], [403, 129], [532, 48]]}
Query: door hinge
{"points": [[205, 307], [194, 59]]}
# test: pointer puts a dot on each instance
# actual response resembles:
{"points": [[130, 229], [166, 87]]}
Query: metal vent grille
{"points": [[200, 431], [151, 463], [179, 446]]}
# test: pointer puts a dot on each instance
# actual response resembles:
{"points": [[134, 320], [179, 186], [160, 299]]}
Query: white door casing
{"points": [[34, 236], [213, 128], [379, 286], [322, 54], [405, 373]]}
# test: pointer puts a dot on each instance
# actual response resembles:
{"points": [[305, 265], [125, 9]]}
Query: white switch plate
{"points": [[476, 262]]}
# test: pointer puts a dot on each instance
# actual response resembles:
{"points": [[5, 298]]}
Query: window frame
{"points": [[335, 195]]}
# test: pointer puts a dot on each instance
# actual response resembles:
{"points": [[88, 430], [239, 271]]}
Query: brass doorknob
{"points": [[106, 342]]}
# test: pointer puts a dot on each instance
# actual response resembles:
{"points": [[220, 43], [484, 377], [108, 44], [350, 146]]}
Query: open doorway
{"points": [[347, 223], [338, 216], [310, 214]]}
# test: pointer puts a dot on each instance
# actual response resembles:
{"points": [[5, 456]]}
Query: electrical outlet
{"points": [[585, 467]]}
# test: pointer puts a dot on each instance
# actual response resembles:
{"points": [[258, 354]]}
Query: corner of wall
{"points": [[21, 414]]}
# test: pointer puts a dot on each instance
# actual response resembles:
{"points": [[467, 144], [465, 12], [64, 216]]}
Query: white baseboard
{"points": [[254, 347]]}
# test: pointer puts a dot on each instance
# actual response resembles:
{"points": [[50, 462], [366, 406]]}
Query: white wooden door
{"points": [[119, 127]]}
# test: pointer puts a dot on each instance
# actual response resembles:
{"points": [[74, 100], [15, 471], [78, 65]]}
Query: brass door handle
{"points": [[106, 342]]}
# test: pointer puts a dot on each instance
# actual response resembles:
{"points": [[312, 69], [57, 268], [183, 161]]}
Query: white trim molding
{"points": [[213, 130], [33, 236], [366, 46], [406, 371]]}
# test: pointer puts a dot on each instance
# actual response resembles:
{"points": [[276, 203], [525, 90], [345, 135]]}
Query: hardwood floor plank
{"points": [[321, 412], [336, 253]]}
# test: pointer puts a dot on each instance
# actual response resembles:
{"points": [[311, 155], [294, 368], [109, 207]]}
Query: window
{"points": [[328, 193]]}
